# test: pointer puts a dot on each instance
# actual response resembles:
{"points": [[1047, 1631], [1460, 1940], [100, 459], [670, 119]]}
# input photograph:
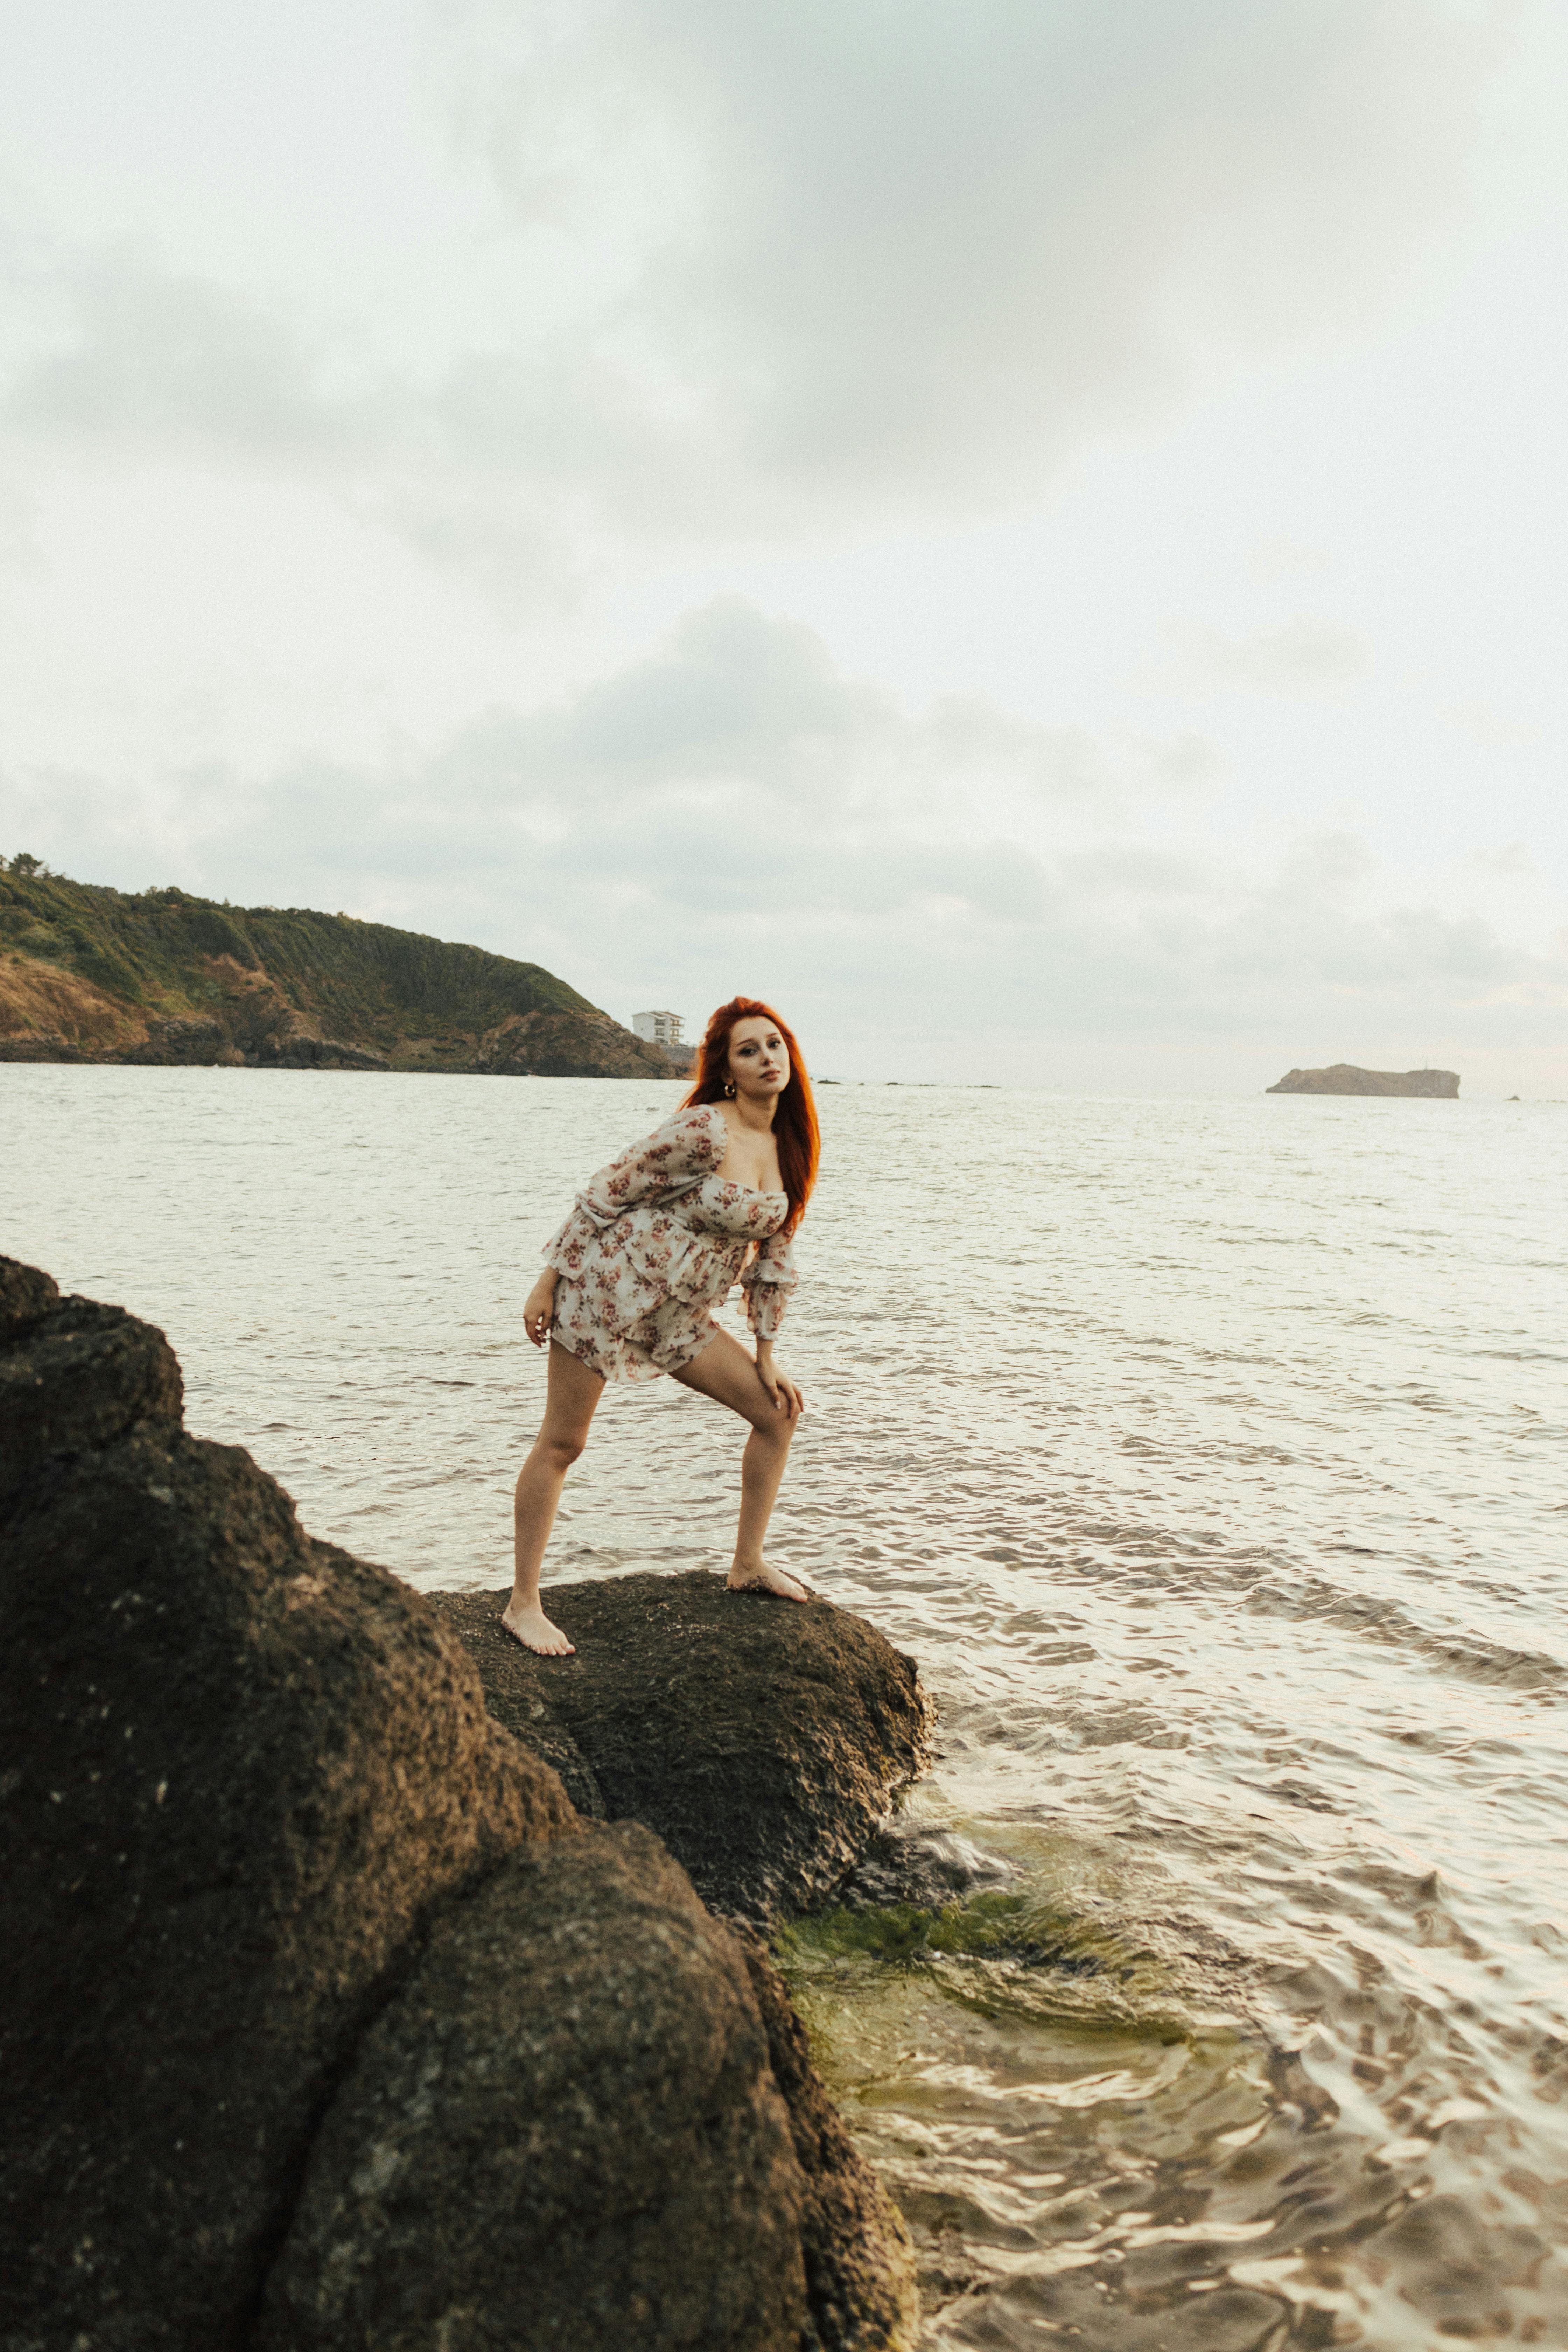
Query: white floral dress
{"points": [[654, 1245]]}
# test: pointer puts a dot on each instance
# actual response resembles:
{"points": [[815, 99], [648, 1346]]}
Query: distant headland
{"points": [[90, 974], [1345, 1078]]}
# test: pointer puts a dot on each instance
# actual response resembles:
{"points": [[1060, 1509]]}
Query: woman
{"points": [[632, 1277]]}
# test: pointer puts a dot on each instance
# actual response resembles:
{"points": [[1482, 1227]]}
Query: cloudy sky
{"points": [[1031, 531]]}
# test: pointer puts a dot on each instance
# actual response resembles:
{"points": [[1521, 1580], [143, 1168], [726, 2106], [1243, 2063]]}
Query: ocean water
{"points": [[1211, 1457]]}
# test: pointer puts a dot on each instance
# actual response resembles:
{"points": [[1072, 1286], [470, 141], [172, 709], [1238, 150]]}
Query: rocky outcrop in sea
{"points": [[1345, 1078], [765, 1745], [358, 1988]]}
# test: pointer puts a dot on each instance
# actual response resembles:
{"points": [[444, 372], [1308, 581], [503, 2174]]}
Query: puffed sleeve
{"points": [[671, 1159], [767, 1282]]}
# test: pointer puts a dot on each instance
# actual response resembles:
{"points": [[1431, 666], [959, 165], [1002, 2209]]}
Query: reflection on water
{"points": [[1209, 1455]]}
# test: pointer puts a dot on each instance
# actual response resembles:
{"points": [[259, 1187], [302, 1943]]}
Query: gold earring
{"points": [[729, 1090]]}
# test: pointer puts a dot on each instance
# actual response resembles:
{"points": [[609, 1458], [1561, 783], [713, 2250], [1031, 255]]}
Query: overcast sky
{"points": [[1032, 532]]}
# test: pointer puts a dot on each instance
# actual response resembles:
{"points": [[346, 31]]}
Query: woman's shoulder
{"points": [[697, 1128]]}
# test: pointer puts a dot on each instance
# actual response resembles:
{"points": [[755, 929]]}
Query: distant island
{"points": [[1345, 1078], [91, 974]]}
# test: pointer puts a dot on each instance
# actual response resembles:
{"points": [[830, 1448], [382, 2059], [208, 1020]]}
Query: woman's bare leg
{"points": [[572, 1395], [724, 1371]]}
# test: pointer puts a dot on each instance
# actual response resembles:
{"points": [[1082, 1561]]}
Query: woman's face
{"points": [[759, 1059]]}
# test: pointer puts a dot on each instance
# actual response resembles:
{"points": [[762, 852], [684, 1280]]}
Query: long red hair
{"points": [[795, 1119]]}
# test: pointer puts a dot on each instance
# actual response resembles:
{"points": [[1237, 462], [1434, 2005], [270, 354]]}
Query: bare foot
{"points": [[776, 1580], [533, 1628]]}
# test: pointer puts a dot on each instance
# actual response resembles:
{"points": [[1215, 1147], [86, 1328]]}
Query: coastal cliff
{"points": [[91, 974], [1345, 1078], [329, 2021]]}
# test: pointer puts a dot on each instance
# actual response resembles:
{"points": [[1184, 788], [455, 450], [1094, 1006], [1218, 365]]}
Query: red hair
{"points": [[794, 1118]]}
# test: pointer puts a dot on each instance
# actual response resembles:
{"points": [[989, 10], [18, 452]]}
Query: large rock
{"points": [[89, 1374], [765, 1741], [239, 1770], [859, 2266], [1345, 1078], [599, 2148], [27, 1295], [324, 2019]]}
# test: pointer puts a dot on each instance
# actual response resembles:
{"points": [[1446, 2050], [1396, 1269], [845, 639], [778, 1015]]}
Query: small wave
{"points": [[1378, 1619]]}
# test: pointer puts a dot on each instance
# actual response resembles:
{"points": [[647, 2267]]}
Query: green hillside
{"points": [[89, 974]]}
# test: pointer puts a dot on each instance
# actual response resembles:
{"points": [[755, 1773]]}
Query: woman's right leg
{"points": [[569, 1403]]}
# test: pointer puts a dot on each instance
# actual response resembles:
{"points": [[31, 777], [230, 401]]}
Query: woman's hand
{"points": [[779, 1386], [539, 1313]]}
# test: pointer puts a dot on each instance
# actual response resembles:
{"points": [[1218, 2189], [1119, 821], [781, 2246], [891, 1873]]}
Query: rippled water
{"points": [[1211, 1457]]}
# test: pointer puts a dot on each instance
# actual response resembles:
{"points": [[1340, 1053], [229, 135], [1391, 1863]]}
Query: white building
{"points": [[658, 1028]]}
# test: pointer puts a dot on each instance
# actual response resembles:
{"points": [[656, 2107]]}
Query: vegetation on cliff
{"points": [[93, 974]]}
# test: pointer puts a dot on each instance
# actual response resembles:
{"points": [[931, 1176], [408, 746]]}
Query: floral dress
{"points": [[654, 1245]]}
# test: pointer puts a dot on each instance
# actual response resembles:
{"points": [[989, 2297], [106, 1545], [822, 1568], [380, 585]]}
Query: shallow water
{"points": [[1211, 1457]]}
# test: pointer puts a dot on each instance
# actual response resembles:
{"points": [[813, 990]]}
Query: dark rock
{"points": [[199, 1042], [1345, 1078], [240, 1769], [568, 1043], [859, 2264], [299, 1048], [765, 1741], [44, 1046], [258, 1030], [26, 1296], [576, 2080], [925, 1868], [75, 1379], [324, 2020]]}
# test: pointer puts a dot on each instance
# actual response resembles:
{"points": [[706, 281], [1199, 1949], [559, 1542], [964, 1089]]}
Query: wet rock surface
{"points": [[858, 2259], [324, 2017], [923, 1868], [763, 1740]]}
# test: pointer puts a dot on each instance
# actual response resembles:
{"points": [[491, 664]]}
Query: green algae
{"points": [[998, 1955], [991, 1924]]}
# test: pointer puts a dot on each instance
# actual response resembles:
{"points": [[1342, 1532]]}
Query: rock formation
{"points": [[569, 2108], [655, 1719], [567, 1044], [325, 2019], [89, 974], [856, 2269], [1345, 1078]]}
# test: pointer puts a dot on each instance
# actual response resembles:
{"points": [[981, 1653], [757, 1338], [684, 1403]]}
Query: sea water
{"points": [[1210, 1457]]}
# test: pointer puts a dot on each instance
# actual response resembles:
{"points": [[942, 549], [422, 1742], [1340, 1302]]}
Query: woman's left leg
{"points": [[725, 1372]]}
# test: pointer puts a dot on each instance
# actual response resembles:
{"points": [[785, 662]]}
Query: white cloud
{"points": [[1303, 656], [895, 248], [737, 706], [135, 356], [734, 811], [745, 262], [411, 433]]}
